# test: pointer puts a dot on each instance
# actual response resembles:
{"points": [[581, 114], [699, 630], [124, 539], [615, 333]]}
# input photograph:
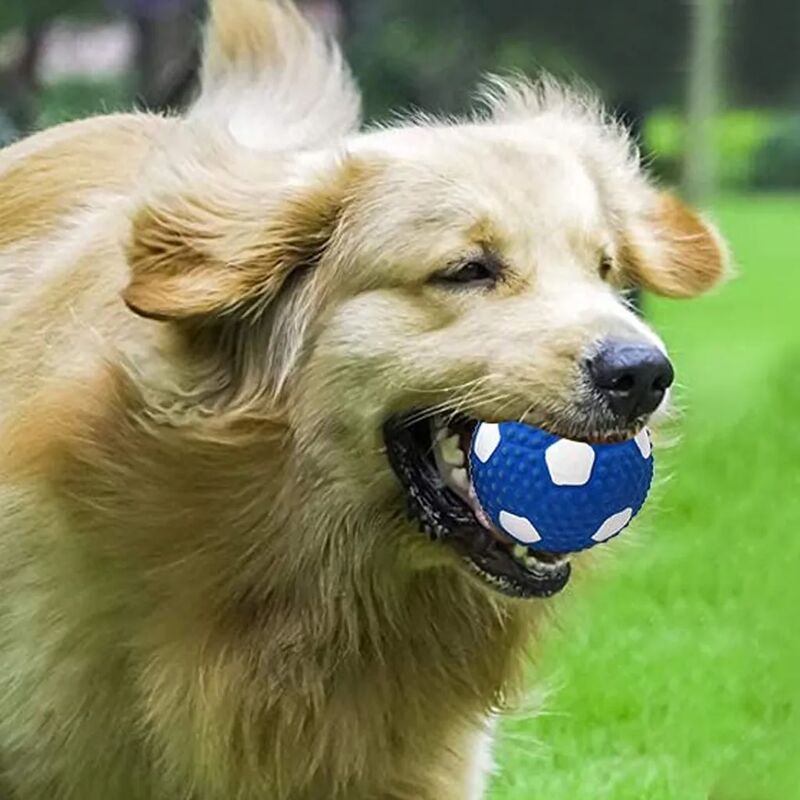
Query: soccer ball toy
{"points": [[555, 494]]}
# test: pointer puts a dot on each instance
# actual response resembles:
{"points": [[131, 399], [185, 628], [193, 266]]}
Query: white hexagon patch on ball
{"points": [[570, 463], [644, 443], [521, 528], [486, 441], [613, 525]]}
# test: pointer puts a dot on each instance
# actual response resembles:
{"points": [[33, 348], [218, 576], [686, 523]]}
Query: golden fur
{"points": [[209, 588]]}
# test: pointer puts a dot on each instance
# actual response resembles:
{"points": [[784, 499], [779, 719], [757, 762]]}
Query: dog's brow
{"points": [[484, 232]]}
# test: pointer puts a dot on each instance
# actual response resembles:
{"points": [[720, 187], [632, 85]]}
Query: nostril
{"points": [[665, 375], [624, 383], [662, 383]]}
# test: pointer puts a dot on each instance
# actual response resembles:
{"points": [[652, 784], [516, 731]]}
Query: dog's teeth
{"points": [[452, 452], [460, 479], [534, 564], [520, 552]]}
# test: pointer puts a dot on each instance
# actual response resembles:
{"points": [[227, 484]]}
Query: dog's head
{"points": [[384, 291]]}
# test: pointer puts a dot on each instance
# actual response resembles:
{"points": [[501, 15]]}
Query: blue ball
{"points": [[554, 494]]}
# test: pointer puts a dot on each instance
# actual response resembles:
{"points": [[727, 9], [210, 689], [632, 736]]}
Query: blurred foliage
{"points": [[414, 52], [764, 52], [418, 52], [30, 13], [73, 99], [432, 55], [739, 137], [777, 162]]}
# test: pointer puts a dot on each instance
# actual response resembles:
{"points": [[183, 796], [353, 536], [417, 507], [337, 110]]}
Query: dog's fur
{"points": [[209, 591]]}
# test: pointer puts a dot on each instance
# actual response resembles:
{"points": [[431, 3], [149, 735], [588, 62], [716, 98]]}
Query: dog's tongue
{"points": [[483, 518]]}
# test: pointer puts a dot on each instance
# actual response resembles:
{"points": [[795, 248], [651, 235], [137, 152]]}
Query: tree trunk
{"points": [[704, 101], [168, 56], [19, 84]]}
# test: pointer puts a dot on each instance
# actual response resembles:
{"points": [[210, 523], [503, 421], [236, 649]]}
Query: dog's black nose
{"points": [[633, 377]]}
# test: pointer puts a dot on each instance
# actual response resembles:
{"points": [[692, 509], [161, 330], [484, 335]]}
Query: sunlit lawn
{"points": [[675, 673]]}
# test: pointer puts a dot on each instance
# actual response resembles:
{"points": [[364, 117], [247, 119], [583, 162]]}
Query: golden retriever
{"points": [[229, 343]]}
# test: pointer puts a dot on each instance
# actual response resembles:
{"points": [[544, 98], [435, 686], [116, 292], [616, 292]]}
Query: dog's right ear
{"points": [[672, 251], [225, 244]]}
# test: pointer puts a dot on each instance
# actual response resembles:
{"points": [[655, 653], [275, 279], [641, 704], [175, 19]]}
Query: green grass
{"points": [[673, 674]]}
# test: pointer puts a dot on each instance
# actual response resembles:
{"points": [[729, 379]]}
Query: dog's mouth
{"points": [[431, 459]]}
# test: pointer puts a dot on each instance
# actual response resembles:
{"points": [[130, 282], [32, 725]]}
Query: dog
{"points": [[237, 560]]}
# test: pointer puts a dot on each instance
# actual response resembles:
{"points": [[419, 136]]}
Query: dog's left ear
{"points": [[672, 251], [222, 244]]}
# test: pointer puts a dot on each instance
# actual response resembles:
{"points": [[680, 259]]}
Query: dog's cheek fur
{"points": [[672, 251]]}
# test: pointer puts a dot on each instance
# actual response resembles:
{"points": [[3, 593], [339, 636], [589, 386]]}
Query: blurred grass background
{"points": [[673, 674]]}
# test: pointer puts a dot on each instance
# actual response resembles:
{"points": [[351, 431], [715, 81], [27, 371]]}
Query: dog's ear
{"points": [[672, 251], [272, 79], [226, 244]]}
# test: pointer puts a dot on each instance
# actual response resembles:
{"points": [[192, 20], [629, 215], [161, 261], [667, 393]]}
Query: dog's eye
{"points": [[471, 273], [605, 266]]}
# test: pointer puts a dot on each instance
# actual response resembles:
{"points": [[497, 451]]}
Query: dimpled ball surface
{"points": [[555, 494]]}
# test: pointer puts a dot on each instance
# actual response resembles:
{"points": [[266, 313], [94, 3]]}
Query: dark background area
{"points": [[419, 53]]}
